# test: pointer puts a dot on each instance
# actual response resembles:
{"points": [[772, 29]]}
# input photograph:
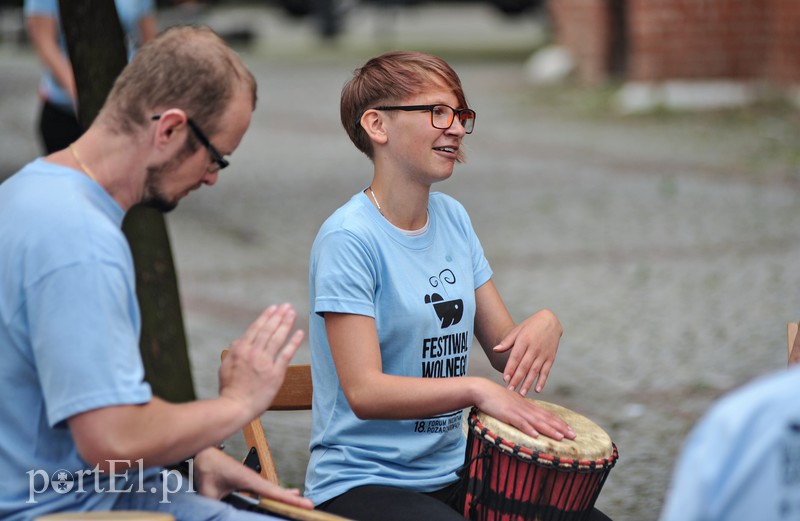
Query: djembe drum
{"points": [[514, 477]]}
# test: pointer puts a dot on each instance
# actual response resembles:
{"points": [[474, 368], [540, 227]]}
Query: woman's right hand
{"points": [[514, 409]]}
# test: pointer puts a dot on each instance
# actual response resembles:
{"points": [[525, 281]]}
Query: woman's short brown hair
{"points": [[390, 78], [185, 67]]}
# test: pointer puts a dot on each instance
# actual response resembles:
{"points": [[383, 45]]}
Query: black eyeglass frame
{"points": [[215, 155], [456, 113]]}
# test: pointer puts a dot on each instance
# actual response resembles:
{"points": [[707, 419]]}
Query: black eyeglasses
{"points": [[215, 155], [442, 116]]}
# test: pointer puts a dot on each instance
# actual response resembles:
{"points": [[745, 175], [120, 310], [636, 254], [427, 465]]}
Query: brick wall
{"points": [[583, 27], [783, 64], [684, 39], [693, 39]]}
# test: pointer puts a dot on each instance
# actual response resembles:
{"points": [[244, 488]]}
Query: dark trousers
{"points": [[382, 503], [57, 128]]}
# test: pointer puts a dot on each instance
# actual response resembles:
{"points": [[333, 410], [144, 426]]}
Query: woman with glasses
{"points": [[399, 285]]}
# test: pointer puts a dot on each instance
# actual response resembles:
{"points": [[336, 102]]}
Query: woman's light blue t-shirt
{"points": [[420, 289]]}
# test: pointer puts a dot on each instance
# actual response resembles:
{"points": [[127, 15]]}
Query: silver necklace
{"points": [[377, 204]]}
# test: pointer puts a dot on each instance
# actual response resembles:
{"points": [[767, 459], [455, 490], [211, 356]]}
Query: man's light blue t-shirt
{"points": [[69, 334]]}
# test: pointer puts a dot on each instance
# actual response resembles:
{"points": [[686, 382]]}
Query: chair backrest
{"points": [[294, 395]]}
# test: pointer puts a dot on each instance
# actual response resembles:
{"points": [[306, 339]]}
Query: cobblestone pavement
{"points": [[667, 245]]}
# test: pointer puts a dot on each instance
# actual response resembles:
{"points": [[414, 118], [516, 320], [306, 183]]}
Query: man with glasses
{"points": [[80, 429]]}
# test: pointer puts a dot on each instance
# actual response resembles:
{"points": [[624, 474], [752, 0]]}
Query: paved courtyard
{"points": [[666, 244]]}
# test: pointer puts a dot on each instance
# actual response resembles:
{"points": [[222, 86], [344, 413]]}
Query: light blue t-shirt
{"points": [[421, 292], [130, 13], [69, 334], [742, 460]]}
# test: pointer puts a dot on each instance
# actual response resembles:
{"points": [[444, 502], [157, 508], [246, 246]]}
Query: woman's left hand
{"points": [[533, 344]]}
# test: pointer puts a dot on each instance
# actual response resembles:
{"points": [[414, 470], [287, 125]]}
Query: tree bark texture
{"points": [[96, 45]]}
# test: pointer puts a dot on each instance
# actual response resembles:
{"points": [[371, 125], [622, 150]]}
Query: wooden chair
{"points": [[791, 333], [294, 395]]}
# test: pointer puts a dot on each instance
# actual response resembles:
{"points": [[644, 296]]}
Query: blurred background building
{"points": [[671, 53], [683, 52]]}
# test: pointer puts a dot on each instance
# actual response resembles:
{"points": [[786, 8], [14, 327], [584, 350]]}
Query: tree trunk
{"points": [[97, 51]]}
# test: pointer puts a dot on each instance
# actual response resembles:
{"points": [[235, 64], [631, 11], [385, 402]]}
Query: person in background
{"points": [[80, 429], [742, 459], [399, 286], [58, 121]]}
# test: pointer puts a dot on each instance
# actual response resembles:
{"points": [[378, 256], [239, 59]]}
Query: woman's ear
{"points": [[372, 121]]}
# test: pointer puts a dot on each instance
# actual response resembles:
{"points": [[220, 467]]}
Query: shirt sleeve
{"points": [[345, 276], [481, 270], [84, 320]]}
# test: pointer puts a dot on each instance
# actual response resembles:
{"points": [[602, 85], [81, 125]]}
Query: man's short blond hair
{"points": [[185, 67]]}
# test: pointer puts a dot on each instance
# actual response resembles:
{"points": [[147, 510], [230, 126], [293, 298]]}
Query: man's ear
{"points": [[169, 123], [372, 121]]}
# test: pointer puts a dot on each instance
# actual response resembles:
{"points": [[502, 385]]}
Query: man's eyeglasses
{"points": [[442, 116], [215, 155]]}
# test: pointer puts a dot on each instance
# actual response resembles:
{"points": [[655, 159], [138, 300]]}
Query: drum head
{"points": [[591, 443]]}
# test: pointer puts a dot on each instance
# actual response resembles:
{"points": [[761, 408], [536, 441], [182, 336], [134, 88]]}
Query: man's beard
{"points": [[153, 197], [160, 203]]}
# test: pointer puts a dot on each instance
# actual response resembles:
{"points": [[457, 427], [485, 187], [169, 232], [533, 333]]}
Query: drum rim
{"points": [[538, 457]]}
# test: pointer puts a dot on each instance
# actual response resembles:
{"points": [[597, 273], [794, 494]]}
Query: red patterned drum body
{"points": [[514, 477]]}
